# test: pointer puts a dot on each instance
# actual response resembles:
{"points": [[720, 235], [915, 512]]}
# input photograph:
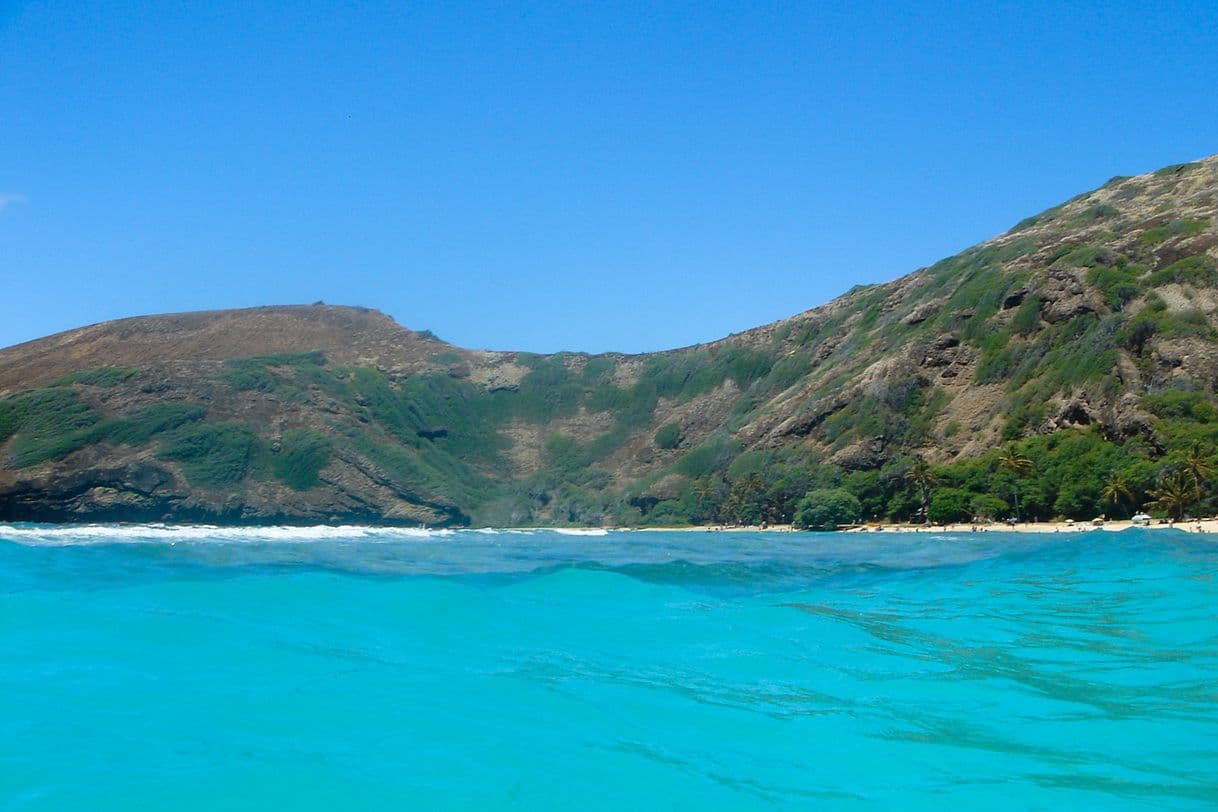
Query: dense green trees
{"points": [[950, 505], [826, 509], [1073, 473]]}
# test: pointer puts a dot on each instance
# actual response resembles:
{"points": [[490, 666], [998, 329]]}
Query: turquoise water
{"points": [[347, 668]]}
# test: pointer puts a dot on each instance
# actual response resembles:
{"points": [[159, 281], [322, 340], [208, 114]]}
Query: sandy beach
{"points": [[1112, 525], [1109, 525]]}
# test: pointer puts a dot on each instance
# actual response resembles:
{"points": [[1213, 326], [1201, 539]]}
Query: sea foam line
{"points": [[66, 535]]}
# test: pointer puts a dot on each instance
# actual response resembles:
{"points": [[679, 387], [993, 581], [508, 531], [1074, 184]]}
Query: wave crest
{"points": [[84, 534]]}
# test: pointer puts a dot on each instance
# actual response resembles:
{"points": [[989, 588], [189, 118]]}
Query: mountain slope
{"points": [[1096, 320]]}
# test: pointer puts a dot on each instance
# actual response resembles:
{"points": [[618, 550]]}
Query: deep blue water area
{"points": [[149, 667]]}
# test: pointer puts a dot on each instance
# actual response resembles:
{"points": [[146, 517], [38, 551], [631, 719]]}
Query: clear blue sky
{"points": [[548, 176]]}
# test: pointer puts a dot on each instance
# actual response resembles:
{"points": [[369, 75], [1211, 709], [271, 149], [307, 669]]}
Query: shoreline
{"points": [[1209, 525], [1109, 525]]}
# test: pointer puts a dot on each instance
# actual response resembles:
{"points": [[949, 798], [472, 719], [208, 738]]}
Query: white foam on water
{"points": [[82, 534], [579, 531]]}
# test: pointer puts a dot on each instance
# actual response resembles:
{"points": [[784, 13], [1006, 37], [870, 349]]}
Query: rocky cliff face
{"points": [[1067, 322]]}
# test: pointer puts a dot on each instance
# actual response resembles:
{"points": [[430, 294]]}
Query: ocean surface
{"points": [[191, 668]]}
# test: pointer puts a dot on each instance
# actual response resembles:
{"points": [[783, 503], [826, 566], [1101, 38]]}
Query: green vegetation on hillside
{"points": [[148, 423], [212, 454], [1174, 228], [1066, 476], [1073, 359], [104, 376], [302, 455], [45, 424]]}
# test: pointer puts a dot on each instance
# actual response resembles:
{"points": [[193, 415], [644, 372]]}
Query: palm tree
{"points": [[1196, 465], [1174, 493], [923, 478], [1116, 490], [747, 499], [1009, 459], [705, 492]]}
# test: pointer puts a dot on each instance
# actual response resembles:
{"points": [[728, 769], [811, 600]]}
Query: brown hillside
{"points": [[1074, 320], [349, 335]]}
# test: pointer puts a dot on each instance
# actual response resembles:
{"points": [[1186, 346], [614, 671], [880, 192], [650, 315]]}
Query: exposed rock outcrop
{"points": [[1075, 320]]}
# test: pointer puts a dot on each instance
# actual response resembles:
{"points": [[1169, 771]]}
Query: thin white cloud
{"points": [[7, 199]]}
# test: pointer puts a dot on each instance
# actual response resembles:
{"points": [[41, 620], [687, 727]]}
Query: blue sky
{"points": [[558, 176]]}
